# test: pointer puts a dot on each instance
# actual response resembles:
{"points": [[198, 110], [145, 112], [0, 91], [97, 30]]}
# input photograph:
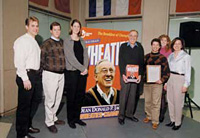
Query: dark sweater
{"points": [[91, 101], [158, 59], [134, 56], [52, 55]]}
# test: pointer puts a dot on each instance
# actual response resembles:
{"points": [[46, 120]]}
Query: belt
{"points": [[176, 73], [33, 71], [59, 72]]}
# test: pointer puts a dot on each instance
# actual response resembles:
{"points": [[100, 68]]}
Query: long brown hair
{"points": [[167, 48]]}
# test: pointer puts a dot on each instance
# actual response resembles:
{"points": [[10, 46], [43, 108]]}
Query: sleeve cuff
{"points": [[25, 78], [186, 85]]}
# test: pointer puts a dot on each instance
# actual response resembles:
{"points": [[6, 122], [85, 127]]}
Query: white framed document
{"points": [[153, 73]]}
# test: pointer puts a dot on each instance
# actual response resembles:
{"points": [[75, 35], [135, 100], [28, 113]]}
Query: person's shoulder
{"points": [[124, 44], [115, 89], [91, 90], [170, 55], [61, 40], [22, 37], [46, 42], [88, 93], [67, 39], [81, 39], [139, 45], [162, 56], [21, 40], [186, 55]]}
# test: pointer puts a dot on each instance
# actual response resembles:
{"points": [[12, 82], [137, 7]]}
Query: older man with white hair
{"points": [[103, 93]]}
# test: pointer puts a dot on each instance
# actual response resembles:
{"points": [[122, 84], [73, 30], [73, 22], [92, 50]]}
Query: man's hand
{"points": [[165, 87], [184, 89], [125, 78], [27, 85], [84, 72], [139, 79]]}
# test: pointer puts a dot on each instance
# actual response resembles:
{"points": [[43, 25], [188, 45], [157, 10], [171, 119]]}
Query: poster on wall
{"points": [[102, 44]]}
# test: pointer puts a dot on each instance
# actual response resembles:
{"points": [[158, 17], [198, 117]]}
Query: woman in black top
{"points": [[76, 57]]}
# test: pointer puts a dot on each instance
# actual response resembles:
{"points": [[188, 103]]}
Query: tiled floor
{"points": [[195, 111], [109, 128], [4, 129]]}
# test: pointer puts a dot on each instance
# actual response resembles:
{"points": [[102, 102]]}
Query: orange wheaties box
{"points": [[132, 73]]}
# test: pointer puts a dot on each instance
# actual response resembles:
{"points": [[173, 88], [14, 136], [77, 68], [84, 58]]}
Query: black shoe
{"points": [[53, 129], [33, 130], [171, 124], [133, 119], [121, 121], [176, 127], [80, 122], [29, 136], [72, 125], [161, 119]]}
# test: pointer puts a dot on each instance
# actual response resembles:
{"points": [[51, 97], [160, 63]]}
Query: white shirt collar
{"points": [[104, 96], [52, 37]]}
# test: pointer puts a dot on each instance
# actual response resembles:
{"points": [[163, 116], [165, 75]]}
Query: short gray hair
{"points": [[98, 63]]}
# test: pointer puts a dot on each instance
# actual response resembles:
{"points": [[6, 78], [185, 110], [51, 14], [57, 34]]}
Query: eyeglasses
{"points": [[105, 71], [133, 36]]}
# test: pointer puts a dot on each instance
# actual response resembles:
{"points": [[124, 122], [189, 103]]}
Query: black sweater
{"points": [[91, 101], [134, 56]]}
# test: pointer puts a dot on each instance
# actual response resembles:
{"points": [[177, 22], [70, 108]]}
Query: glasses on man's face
{"points": [[105, 71], [135, 36]]}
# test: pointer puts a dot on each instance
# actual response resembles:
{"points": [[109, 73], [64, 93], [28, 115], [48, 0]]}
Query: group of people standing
{"points": [[175, 74], [48, 68], [175, 79], [65, 64]]}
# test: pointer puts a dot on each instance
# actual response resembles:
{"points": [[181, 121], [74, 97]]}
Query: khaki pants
{"points": [[53, 85], [175, 97], [152, 95]]}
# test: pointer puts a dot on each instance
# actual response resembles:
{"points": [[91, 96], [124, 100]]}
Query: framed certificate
{"points": [[153, 73]]}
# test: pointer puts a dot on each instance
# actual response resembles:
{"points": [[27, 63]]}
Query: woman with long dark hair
{"points": [[76, 57]]}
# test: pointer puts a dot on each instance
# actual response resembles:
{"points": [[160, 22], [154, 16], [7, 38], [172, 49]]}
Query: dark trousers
{"points": [[138, 93], [163, 107], [28, 102], [127, 101], [75, 87]]}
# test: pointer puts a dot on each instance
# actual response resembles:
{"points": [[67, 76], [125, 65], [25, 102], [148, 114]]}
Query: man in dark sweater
{"points": [[130, 53], [153, 88], [103, 93], [53, 65]]}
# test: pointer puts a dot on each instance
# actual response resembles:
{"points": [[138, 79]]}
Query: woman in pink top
{"points": [[166, 51], [165, 43]]}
